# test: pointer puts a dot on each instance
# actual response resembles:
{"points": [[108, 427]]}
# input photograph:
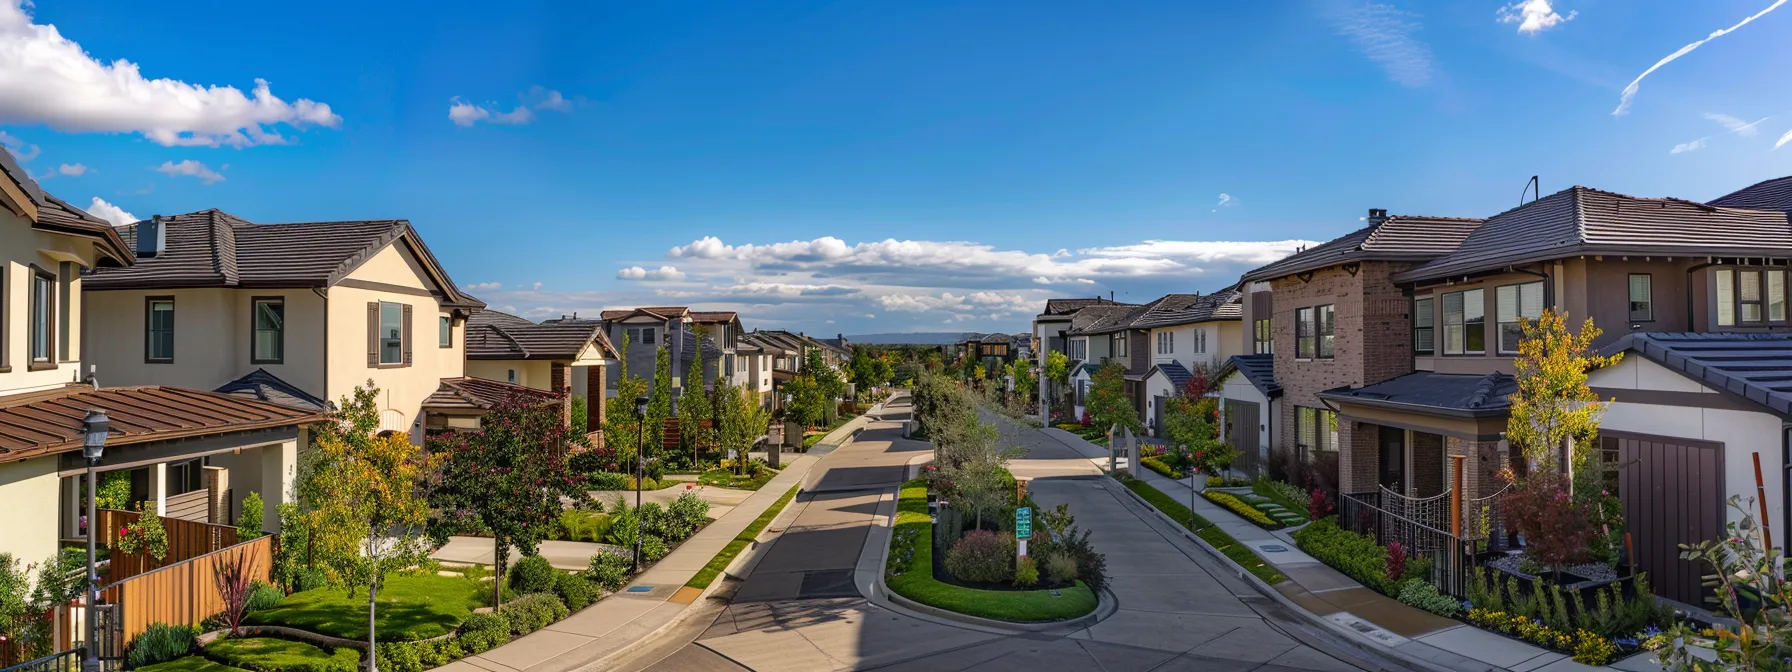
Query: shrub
{"points": [[576, 525], [532, 574], [1060, 566], [982, 557], [440, 652], [576, 591], [1244, 510], [1396, 564], [653, 548], [483, 632], [1555, 526], [262, 596], [159, 644], [533, 612], [1418, 568], [1026, 572], [309, 578], [1157, 464], [401, 656], [268, 654], [610, 571], [609, 480], [1356, 555], [1591, 649], [654, 521], [1425, 596], [1318, 504], [248, 523], [686, 514]]}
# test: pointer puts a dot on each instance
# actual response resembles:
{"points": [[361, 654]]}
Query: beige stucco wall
{"points": [[28, 495], [536, 373], [20, 248], [212, 332], [402, 388]]}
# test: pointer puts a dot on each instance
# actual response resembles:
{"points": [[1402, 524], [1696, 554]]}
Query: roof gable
{"points": [[1396, 238], [492, 335]]}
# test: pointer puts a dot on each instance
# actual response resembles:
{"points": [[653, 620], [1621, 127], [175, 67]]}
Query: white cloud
{"points": [[1226, 201], [1738, 126], [191, 168], [485, 286], [72, 169], [21, 150], [1685, 147], [1384, 34], [1783, 140], [46, 78], [109, 212], [463, 113], [1533, 16], [661, 274], [1630, 90]]}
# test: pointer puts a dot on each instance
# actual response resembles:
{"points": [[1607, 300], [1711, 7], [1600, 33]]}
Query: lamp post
{"points": [[93, 447], [640, 471]]}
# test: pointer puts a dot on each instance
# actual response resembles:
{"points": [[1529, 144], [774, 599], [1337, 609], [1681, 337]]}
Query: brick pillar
{"points": [[1359, 454], [1428, 464], [596, 400], [560, 382]]}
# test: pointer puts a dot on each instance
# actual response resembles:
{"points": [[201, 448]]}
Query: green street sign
{"points": [[1023, 522]]}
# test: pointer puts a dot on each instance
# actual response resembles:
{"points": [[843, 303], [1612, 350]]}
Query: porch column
{"points": [[279, 471], [217, 487], [560, 382], [158, 487], [73, 507], [596, 398], [1359, 453]]}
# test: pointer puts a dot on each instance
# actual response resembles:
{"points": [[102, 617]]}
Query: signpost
{"points": [[1023, 529]]}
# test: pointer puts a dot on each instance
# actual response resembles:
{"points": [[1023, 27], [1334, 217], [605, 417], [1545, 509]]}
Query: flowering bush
{"points": [[146, 536], [982, 557], [1555, 526]]}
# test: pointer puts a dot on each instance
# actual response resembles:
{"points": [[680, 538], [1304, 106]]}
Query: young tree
{"points": [[695, 408], [744, 420], [1107, 403], [864, 369], [363, 501], [827, 380], [659, 402], [883, 371], [621, 424], [1553, 403], [508, 479], [808, 404], [15, 605]]}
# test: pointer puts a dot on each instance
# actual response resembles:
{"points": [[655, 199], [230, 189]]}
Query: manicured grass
{"points": [[268, 654], [1262, 488], [917, 582], [708, 574], [1204, 529], [1242, 509], [410, 608], [190, 664], [725, 478]]}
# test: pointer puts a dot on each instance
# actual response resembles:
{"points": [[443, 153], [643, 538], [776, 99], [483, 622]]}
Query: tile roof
{"points": [[713, 316], [1068, 306], [1397, 238], [57, 215], [1579, 220], [46, 423], [1447, 394], [1174, 371], [1222, 305], [212, 248], [1259, 369], [492, 335], [263, 386], [1096, 319], [478, 394], [770, 340], [1774, 194], [1749, 365], [997, 338], [661, 312]]}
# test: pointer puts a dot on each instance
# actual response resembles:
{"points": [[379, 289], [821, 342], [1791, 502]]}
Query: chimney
{"points": [[1377, 216], [152, 238]]}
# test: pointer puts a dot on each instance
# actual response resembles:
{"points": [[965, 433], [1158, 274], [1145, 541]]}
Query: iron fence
{"points": [[64, 661], [1381, 516]]}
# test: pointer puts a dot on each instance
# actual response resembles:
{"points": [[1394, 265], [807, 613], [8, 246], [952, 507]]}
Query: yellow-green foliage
{"points": [[1553, 402], [1238, 506]]}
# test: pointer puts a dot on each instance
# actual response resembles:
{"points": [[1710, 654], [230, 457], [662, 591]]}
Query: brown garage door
{"points": [[1672, 491]]}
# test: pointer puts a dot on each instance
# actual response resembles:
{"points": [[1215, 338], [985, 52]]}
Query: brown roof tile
{"points": [[46, 423], [1397, 238], [494, 335], [479, 394]]}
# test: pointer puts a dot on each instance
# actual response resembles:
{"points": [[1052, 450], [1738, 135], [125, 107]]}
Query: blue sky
{"points": [[863, 167]]}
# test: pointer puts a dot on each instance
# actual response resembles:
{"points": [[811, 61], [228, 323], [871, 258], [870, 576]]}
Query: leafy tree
{"points": [[621, 423], [1022, 370], [883, 371], [1107, 403], [1057, 367], [1553, 403], [744, 419], [827, 380], [695, 406], [506, 479], [581, 417], [15, 605], [864, 369], [808, 404], [362, 500], [248, 523], [659, 401]]}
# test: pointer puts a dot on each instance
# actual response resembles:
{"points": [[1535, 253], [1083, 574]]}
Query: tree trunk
{"points": [[373, 591], [500, 557]]}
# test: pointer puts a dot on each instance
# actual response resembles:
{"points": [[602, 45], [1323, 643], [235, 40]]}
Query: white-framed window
{"points": [[1119, 343], [43, 316], [1465, 322], [1511, 303], [1316, 428], [1642, 297], [1198, 340], [1166, 342]]}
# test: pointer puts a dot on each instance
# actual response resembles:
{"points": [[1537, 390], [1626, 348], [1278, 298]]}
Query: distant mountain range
{"points": [[911, 338]]}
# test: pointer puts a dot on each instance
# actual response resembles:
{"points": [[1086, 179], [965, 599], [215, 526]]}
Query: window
{"points": [[1776, 296], [1512, 303], [510, 376], [1079, 348], [445, 331], [1264, 339], [184, 477], [1325, 323], [1166, 342], [1726, 297], [1303, 333], [647, 336], [1119, 344], [270, 331], [1424, 324], [1642, 297], [1748, 296], [1465, 318], [1316, 429], [1199, 338], [391, 333], [159, 330], [43, 315]]}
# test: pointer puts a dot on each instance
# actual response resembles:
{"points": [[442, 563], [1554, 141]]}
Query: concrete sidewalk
{"points": [[657, 597], [1325, 595]]}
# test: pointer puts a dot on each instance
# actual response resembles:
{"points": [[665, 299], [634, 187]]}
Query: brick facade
{"points": [[1428, 462]]}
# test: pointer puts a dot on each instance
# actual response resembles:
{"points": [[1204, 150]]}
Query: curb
{"points": [[1346, 635]]}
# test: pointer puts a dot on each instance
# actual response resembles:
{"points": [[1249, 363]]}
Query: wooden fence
{"points": [[186, 540], [184, 593]]}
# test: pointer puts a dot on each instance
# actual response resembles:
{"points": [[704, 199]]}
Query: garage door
{"points": [[1673, 493]]}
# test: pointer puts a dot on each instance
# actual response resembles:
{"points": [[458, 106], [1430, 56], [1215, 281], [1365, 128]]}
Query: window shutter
{"points": [[407, 334], [373, 334]]}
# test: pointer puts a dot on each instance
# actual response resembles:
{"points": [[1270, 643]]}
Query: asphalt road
{"points": [[798, 611]]}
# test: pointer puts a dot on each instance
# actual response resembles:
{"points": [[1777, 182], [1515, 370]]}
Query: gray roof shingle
{"points": [[492, 335], [1098, 319], [1579, 220], [1752, 366], [1068, 306], [1397, 238], [1774, 194], [55, 214], [263, 386], [1448, 394], [1259, 369], [1222, 305]]}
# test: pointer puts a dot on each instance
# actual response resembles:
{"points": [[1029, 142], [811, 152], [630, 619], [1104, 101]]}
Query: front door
{"points": [[1393, 458], [1242, 421]]}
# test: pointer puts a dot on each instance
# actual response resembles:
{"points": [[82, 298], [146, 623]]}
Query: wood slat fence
{"points": [[186, 540], [184, 593]]}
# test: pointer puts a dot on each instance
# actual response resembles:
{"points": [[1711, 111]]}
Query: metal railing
{"points": [[1452, 557], [65, 661]]}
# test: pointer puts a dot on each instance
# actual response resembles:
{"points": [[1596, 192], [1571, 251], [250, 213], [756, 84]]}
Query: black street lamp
{"points": [[93, 447], [640, 472]]}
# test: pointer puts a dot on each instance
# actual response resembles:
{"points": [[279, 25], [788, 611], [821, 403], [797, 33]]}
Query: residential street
{"points": [[798, 609]]}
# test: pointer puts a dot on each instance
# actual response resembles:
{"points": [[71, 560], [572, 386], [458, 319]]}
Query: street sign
{"points": [[1023, 522]]}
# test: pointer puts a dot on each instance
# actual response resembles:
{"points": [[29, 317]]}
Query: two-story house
{"points": [[565, 357], [1250, 397], [306, 311], [1051, 329], [1090, 346], [1338, 320], [183, 451], [1196, 338], [646, 330]]}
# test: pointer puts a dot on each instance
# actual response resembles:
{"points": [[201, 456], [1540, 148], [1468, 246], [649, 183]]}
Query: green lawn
{"points": [[1204, 529], [724, 478], [708, 574], [410, 608], [190, 664], [1262, 488], [268, 654], [1021, 606]]}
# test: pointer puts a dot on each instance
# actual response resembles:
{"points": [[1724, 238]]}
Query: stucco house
{"points": [[1186, 337], [187, 453], [1051, 329], [564, 357], [218, 302]]}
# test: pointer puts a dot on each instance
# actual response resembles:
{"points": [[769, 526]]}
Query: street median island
{"points": [[909, 573]]}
